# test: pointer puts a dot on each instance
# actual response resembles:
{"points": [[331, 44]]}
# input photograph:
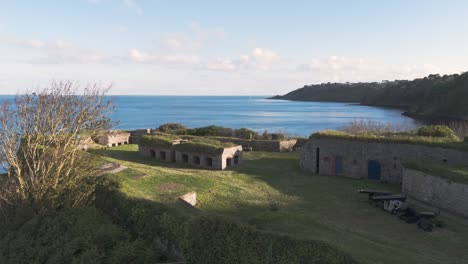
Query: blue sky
{"points": [[227, 47]]}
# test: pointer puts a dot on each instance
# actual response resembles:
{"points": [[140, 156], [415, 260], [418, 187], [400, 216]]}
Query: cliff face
{"points": [[431, 97]]}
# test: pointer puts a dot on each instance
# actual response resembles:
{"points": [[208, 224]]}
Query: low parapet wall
{"points": [[435, 191], [262, 145]]}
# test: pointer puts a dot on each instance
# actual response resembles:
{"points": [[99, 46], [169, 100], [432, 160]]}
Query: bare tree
{"points": [[40, 134]]}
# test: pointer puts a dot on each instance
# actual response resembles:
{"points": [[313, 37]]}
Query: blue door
{"points": [[338, 165], [373, 170]]}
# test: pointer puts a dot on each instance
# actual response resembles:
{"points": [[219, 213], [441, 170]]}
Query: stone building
{"points": [[206, 154], [371, 159], [114, 138]]}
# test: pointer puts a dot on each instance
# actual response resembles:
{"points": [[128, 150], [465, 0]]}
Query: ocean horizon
{"points": [[254, 112]]}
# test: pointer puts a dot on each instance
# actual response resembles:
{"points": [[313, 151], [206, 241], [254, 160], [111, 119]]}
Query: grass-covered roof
{"points": [[440, 169], [203, 145], [159, 140], [402, 137]]}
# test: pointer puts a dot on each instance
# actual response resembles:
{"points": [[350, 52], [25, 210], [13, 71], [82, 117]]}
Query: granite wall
{"points": [[436, 191], [352, 158]]}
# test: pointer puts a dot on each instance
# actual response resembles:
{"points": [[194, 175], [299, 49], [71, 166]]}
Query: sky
{"points": [[175, 47]]}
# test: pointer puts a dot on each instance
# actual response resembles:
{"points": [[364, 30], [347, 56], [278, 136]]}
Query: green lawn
{"points": [[309, 206]]}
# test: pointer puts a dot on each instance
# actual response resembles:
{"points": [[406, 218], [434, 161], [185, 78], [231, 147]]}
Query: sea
{"points": [[254, 112]]}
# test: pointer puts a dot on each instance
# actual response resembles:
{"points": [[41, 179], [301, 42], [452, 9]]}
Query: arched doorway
{"points": [[152, 153]]}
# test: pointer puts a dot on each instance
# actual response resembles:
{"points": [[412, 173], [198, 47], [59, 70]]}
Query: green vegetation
{"points": [[431, 97], [437, 132], [159, 140], [219, 131], [203, 145], [211, 239], [441, 169], [270, 193], [436, 136], [73, 236]]}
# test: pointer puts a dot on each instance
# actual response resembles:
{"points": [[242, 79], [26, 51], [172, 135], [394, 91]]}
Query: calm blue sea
{"points": [[254, 112]]}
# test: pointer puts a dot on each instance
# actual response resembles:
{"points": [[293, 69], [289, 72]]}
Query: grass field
{"points": [[270, 192]]}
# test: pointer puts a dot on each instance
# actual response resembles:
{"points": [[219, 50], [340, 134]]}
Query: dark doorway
{"points": [[209, 162], [184, 158], [196, 160], [317, 161], [229, 162], [236, 160], [373, 170], [162, 155], [152, 153], [338, 165]]}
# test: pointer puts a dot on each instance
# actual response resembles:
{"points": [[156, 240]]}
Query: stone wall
{"points": [[230, 157], [115, 138], [262, 145], [163, 154], [436, 191], [355, 156]]}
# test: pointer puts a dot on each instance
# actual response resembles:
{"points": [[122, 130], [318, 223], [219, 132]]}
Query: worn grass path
{"points": [[309, 206]]}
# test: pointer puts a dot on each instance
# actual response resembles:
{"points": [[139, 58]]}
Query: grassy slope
{"points": [[310, 206]]}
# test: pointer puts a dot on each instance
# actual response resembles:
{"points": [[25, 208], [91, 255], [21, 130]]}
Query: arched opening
{"points": [[184, 158], [162, 155], [209, 162], [113, 144], [236, 160], [196, 160], [228, 162], [152, 153], [119, 144]]}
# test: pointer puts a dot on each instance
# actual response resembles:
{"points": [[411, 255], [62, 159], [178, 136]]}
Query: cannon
{"points": [[372, 193]]}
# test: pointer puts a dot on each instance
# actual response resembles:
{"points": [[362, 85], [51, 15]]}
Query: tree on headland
{"points": [[40, 136]]}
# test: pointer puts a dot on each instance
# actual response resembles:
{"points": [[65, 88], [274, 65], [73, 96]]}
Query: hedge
{"points": [[210, 239]]}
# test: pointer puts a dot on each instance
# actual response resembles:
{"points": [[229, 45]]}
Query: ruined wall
{"points": [[436, 191], [355, 156]]}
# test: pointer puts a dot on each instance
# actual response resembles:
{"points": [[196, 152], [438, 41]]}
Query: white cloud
{"points": [[220, 64], [351, 69], [196, 38], [133, 5], [139, 56]]}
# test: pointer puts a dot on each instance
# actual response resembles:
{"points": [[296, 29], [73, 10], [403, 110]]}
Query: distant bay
{"points": [[254, 112]]}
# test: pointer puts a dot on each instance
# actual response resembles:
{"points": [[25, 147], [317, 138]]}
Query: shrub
{"points": [[246, 133], [80, 235], [173, 128], [436, 131]]}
